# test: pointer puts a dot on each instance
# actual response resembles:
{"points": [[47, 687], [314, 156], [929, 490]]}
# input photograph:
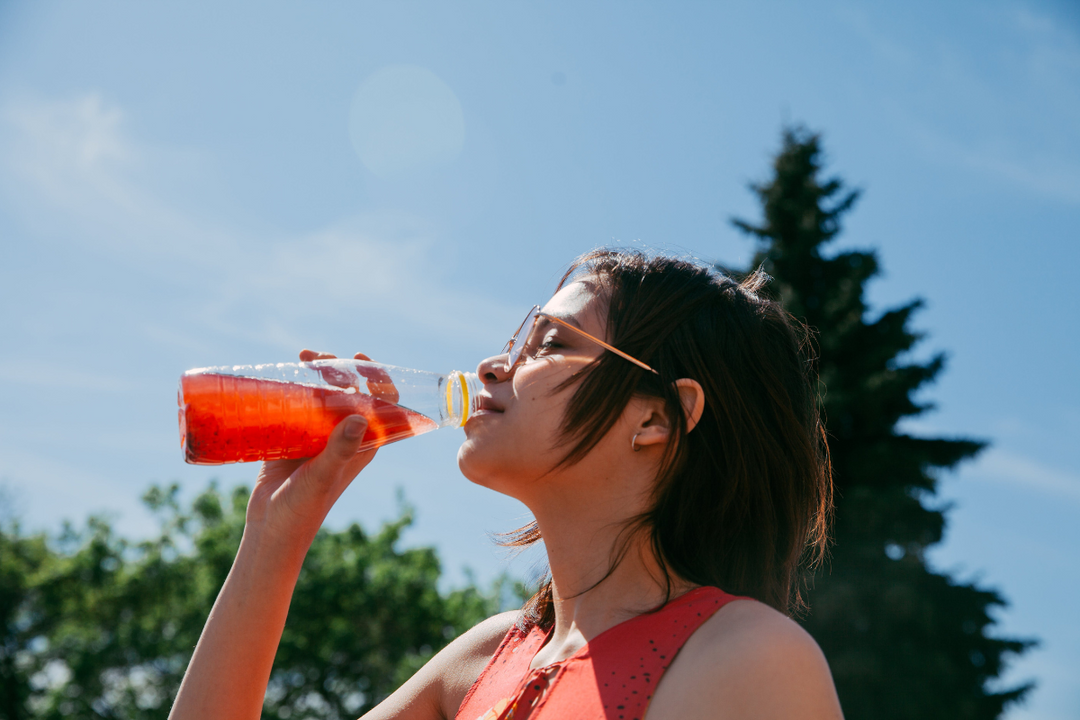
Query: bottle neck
{"points": [[462, 396]]}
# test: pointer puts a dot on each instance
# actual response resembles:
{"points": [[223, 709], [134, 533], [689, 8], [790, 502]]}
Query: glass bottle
{"points": [[243, 413]]}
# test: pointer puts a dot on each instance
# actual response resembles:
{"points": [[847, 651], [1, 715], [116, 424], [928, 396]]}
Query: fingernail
{"points": [[355, 427]]}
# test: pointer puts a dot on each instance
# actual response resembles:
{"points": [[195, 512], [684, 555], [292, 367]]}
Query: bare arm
{"points": [[230, 668]]}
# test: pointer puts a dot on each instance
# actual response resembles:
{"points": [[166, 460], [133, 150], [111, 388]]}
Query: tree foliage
{"points": [[97, 626], [903, 641]]}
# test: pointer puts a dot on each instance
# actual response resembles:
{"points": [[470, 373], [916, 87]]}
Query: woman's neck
{"points": [[602, 574]]}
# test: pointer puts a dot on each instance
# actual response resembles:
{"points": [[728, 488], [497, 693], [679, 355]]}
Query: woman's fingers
{"points": [[294, 496], [309, 355], [378, 380], [344, 441], [331, 375], [328, 474]]}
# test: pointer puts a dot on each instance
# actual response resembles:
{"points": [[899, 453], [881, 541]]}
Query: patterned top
{"points": [[611, 678]]}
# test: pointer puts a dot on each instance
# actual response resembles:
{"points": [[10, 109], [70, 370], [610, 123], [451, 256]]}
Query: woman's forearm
{"points": [[231, 665]]}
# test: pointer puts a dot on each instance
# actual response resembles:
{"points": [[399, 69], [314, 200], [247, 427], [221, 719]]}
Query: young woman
{"points": [[660, 422]]}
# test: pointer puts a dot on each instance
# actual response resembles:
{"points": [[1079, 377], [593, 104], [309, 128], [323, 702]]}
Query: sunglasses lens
{"points": [[521, 338]]}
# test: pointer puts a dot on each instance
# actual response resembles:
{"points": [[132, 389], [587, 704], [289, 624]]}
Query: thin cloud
{"points": [[1011, 469], [76, 176], [64, 374], [72, 172], [72, 490], [1006, 467], [963, 111]]}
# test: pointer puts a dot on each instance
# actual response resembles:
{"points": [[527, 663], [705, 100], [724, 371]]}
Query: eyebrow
{"points": [[568, 319]]}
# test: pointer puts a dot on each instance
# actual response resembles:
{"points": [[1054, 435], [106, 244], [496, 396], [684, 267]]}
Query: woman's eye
{"points": [[548, 345]]}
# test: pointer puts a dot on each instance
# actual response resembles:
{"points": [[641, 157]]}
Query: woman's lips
{"points": [[486, 404]]}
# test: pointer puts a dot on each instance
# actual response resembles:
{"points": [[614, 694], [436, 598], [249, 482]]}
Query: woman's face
{"points": [[514, 439]]}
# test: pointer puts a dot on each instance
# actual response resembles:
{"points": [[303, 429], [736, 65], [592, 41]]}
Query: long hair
{"points": [[745, 499]]}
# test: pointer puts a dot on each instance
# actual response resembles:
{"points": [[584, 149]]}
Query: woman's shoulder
{"points": [[483, 639], [753, 661], [745, 625], [437, 689], [461, 662]]}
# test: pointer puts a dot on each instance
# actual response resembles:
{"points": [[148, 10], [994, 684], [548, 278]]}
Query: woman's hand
{"points": [[292, 497]]}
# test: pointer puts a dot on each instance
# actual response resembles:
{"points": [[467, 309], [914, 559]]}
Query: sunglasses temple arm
{"points": [[634, 360], [604, 345]]}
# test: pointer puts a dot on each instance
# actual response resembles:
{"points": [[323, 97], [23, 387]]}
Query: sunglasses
{"points": [[515, 348]]}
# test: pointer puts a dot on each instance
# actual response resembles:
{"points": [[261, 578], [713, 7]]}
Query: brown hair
{"points": [[746, 496]]}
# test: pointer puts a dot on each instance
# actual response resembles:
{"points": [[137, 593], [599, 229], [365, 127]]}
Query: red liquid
{"points": [[226, 419]]}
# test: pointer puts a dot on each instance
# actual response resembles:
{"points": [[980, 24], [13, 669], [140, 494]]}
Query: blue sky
{"points": [[196, 184]]}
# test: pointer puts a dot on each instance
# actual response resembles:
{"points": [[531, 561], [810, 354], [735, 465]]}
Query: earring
{"points": [[633, 443]]}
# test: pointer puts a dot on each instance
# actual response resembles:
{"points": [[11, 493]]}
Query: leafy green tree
{"points": [[99, 627], [903, 641], [22, 560]]}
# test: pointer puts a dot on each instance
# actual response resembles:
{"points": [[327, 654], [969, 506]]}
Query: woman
{"points": [[660, 422]]}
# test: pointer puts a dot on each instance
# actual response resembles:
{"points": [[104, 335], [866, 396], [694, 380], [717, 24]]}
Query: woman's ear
{"points": [[692, 398], [654, 426]]}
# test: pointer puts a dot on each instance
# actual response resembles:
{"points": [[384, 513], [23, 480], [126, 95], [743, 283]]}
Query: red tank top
{"points": [[612, 677]]}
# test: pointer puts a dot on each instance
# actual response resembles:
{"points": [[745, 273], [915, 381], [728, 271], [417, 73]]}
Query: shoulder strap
{"points": [[618, 671]]}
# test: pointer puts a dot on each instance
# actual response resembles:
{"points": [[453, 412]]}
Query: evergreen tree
{"points": [[903, 641]]}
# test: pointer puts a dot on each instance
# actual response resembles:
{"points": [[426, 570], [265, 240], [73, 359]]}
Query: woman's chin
{"points": [[470, 464], [482, 471]]}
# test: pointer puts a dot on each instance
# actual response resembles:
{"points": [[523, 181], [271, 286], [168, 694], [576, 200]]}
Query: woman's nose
{"points": [[493, 369]]}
